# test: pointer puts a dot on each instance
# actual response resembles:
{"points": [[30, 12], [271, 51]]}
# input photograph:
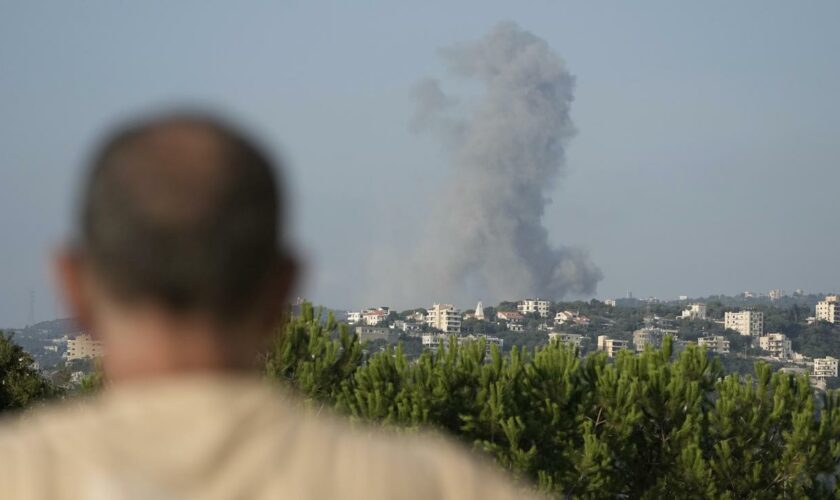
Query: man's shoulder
{"points": [[409, 464], [276, 437], [44, 422]]}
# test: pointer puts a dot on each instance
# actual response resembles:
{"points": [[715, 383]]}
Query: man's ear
{"points": [[70, 276]]}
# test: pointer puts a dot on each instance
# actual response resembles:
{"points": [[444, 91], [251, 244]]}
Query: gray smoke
{"points": [[485, 236]]}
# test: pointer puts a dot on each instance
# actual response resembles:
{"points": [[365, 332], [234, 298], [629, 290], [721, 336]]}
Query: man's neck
{"points": [[151, 344]]}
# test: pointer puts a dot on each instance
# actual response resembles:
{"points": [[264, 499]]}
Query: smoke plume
{"points": [[485, 235]]}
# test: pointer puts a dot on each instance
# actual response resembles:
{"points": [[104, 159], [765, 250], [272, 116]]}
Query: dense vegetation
{"points": [[644, 426], [640, 426], [21, 385]]}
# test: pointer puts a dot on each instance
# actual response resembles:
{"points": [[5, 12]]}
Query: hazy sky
{"points": [[706, 158]]}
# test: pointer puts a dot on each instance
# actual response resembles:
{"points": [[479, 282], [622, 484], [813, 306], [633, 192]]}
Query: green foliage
{"points": [[817, 340], [649, 425], [314, 356], [20, 383], [93, 381], [653, 425], [505, 306]]}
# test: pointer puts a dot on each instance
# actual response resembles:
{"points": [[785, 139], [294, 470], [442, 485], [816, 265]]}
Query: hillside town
{"points": [[737, 334], [795, 333]]}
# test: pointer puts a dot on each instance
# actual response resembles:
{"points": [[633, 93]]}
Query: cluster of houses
{"points": [[436, 326], [776, 346], [442, 320]]}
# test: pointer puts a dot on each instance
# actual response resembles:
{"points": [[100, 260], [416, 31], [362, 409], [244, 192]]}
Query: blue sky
{"points": [[706, 158]]}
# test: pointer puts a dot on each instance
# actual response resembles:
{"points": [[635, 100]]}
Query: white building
{"points": [[747, 323], [714, 343], [418, 316], [694, 311], [354, 317], [83, 347], [610, 302], [777, 344], [510, 316], [611, 346], [433, 341], [825, 367], [566, 338], [489, 341], [373, 317], [444, 317], [776, 294], [369, 333], [829, 309], [410, 327], [529, 306], [479, 311], [572, 317]]}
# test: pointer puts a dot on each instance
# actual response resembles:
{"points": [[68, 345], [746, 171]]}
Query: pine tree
{"points": [[21, 385]]}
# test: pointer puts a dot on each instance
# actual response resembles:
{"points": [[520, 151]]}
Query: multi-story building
{"points": [[747, 323], [644, 337], [406, 326], [489, 341], [354, 317], [373, 317], [777, 344], [83, 347], [418, 316], [566, 338], [610, 302], [825, 367], [433, 341], [529, 306], [776, 294], [573, 317], [510, 316], [369, 333], [714, 343], [695, 311], [444, 317], [611, 346], [829, 309]]}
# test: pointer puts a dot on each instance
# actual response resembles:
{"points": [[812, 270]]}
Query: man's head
{"points": [[180, 214]]}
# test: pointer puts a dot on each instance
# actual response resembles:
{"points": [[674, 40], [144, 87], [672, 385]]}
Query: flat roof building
{"points": [[747, 323], [714, 343], [829, 310], [444, 317], [528, 306], [565, 338], [825, 367], [611, 346], [777, 344], [694, 311], [83, 347]]}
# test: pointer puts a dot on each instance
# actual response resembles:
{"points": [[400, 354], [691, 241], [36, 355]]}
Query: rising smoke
{"points": [[485, 237]]}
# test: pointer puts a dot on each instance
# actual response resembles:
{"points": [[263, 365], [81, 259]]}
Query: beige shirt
{"points": [[224, 438]]}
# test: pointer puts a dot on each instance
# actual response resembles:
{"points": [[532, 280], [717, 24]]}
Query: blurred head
{"points": [[180, 218]]}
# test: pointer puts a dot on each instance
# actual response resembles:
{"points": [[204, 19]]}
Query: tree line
{"points": [[652, 425]]}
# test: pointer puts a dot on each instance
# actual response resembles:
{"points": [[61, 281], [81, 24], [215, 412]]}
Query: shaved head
{"points": [[185, 211]]}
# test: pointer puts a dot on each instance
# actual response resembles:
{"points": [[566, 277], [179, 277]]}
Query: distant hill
{"points": [[42, 340]]}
